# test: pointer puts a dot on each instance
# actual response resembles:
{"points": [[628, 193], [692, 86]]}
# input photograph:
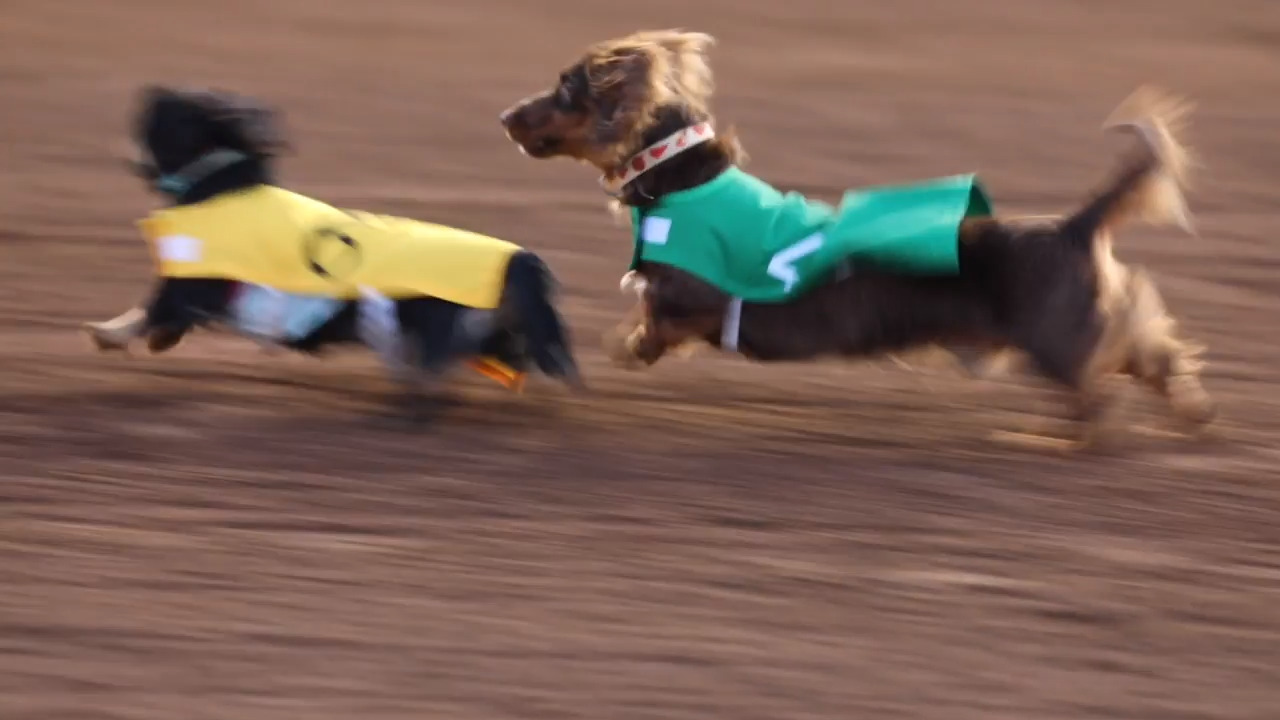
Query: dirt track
{"points": [[219, 534]]}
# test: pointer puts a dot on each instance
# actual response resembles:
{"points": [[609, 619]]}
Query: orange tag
{"points": [[499, 372]]}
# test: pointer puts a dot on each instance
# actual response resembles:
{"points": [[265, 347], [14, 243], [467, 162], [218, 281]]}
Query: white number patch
{"points": [[179, 248], [783, 263]]}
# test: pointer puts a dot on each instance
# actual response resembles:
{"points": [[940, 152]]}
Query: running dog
{"points": [[235, 250], [723, 258]]}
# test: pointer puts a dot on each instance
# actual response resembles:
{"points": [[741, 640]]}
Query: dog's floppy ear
{"points": [[631, 84], [640, 73], [149, 97], [243, 123]]}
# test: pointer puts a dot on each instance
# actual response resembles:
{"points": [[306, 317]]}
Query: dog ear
{"points": [[631, 85], [639, 74], [140, 160], [148, 97]]}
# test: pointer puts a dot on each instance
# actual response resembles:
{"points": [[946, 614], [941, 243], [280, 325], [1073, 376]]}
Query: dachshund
{"points": [[1049, 290]]}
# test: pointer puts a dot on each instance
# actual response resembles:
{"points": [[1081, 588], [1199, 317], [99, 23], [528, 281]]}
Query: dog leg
{"points": [[1173, 373], [1058, 358], [118, 332], [1169, 366], [401, 353], [417, 401], [643, 348], [1096, 405], [1190, 401], [992, 364], [620, 343], [1090, 421]]}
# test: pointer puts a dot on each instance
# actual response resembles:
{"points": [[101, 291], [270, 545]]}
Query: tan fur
{"points": [[677, 66], [647, 70], [629, 79], [1140, 336], [1159, 120]]}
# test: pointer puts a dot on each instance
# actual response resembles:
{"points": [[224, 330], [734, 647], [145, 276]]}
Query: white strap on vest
{"points": [[732, 325], [274, 316], [378, 327]]}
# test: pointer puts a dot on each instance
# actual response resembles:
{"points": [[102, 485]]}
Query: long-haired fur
{"points": [[618, 98], [1050, 289], [175, 127]]}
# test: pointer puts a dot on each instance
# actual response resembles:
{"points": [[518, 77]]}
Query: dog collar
{"points": [[179, 183], [656, 154]]}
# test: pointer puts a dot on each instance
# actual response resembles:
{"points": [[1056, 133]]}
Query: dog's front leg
{"points": [[677, 311], [646, 345], [118, 332], [636, 343], [176, 306], [622, 343]]}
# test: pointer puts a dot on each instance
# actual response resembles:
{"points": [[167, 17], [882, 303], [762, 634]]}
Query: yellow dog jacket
{"points": [[272, 237]]}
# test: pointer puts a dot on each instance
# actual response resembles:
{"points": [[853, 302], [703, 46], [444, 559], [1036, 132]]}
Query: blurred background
{"points": [[221, 534]]}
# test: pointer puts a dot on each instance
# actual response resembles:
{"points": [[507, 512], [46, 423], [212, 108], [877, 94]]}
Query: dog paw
{"points": [[1190, 402], [617, 347], [633, 282], [159, 341], [105, 339]]}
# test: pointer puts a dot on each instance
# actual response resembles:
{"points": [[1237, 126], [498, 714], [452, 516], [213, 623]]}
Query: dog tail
{"points": [[1149, 185], [532, 287]]}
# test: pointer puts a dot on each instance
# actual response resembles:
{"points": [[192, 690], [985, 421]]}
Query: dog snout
{"points": [[515, 117]]}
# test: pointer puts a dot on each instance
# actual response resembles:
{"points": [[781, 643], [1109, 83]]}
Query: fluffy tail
{"points": [[532, 287], [1149, 186]]}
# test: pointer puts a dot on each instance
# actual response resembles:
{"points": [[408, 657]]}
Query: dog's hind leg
{"points": [[411, 338], [419, 399], [1069, 358], [1166, 364], [529, 307]]}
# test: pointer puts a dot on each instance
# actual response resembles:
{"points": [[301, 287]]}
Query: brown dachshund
{"points": [[1048, 289]]}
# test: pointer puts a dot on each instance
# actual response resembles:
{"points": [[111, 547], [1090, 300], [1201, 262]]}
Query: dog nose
{"points": [[504, 117]]}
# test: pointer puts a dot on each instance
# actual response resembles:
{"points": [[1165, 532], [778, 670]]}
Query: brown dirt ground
{"points": [[218, 534]]}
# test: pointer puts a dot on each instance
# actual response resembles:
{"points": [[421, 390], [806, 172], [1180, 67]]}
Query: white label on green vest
{"points": [[655, 230]]}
